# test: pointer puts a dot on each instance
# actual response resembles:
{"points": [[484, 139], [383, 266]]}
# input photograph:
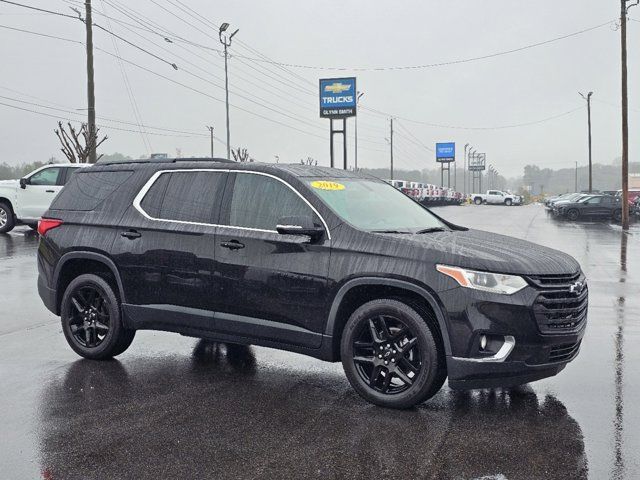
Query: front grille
{"points": [[550, 281], [564, 352], [557, 309]]}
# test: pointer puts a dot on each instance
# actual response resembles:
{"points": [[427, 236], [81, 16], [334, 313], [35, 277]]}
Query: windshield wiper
{"points": [[388, 231], [430, 230]]}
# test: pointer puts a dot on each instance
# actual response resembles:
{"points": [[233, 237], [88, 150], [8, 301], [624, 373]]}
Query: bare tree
{"points": [[76, 143], [308, 161], [241, 155]]}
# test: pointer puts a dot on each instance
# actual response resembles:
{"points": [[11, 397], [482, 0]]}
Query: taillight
{"points": [[46, 224]]}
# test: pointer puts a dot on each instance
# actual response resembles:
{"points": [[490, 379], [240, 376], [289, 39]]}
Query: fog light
{"points": [[483, 342]]}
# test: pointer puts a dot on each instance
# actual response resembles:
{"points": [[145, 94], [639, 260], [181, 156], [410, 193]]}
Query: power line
{"points": [[183, 133]]}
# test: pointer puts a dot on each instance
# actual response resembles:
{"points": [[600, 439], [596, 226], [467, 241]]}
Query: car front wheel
{"points": [[573, 214], [91, 321], [508, 202], [391, 355]]}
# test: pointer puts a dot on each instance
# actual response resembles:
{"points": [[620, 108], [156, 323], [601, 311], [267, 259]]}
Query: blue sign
{"points": [[338, 97], [446, 152]]}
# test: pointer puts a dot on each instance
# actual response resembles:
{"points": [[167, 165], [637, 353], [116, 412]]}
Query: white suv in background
{"points": [[24, 201]]}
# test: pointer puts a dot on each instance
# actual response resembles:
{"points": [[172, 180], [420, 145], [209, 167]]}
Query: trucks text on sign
{"points": [[446, 152], [337, 97]]}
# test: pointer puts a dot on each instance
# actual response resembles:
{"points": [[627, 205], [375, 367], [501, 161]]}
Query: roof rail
{"points": [[165, 160]]}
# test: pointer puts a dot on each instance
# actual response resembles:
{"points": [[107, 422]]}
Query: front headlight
{"points": [[485, 281]]}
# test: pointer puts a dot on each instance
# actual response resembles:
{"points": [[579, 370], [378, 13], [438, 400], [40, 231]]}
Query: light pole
{"points": [[472, 154], [588, 99], [226, 41], [576, 178], [464, 170], [358, 96], [210, 128]]}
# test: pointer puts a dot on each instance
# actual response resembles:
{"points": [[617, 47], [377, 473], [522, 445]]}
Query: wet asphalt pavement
{"points": [[176, 407]]}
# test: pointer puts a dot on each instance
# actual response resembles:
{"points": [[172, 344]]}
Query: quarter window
{"points": [[259, 202], [46, 177], [185, 196]]}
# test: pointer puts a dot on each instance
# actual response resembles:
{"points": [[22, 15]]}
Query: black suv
{"points": [[324, 262], [601, 206]]}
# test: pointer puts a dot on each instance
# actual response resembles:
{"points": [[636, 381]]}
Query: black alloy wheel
{"points": [[573, 214], [392, 353], [387, 355], [91, 320]]}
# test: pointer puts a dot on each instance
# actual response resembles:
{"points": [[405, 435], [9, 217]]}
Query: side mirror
{"points": [[299, 225], [23, 183]]}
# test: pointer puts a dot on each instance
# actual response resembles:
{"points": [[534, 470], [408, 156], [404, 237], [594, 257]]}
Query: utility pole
{"points": [[576, 179], [226, 41], [91, 95], [625, 113], [211, 132], [588, 99], [391, 146]]}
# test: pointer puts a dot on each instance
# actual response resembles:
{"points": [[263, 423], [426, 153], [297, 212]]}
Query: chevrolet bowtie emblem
{"points": [[337, 87], [576, 288]]}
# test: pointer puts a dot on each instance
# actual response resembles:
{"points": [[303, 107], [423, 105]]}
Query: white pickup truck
{"points": [[495, 197], [24, 201]]}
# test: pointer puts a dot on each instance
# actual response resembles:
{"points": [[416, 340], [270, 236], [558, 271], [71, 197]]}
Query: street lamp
{"points": [[588, 99], [226, 41], [358, 96], [464, 170]]}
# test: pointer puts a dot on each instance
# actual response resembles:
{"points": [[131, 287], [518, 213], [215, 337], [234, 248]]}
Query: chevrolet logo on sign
{"points": [[337, 87]]}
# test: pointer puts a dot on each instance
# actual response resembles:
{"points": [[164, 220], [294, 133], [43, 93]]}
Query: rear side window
{"points": [[84, 191], [260, 201], [184, 196]]}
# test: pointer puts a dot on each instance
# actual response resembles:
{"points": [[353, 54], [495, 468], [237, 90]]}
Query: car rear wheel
{"points": [[91, 321], [573, 214], [391, 356], [617, 215], [6, 218]]}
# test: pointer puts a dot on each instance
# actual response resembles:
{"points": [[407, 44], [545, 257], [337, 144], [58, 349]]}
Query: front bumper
{"points": [[536, 353]]}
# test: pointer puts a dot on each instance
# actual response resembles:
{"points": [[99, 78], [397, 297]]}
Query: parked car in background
{"points": [[25, 200], [633, 195], [601, 206], [494, 197], [566, 198], [324, 262], [635, 207]]}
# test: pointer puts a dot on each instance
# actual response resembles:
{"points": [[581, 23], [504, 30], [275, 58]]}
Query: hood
{"points": [[491, 252], [8, 182]]}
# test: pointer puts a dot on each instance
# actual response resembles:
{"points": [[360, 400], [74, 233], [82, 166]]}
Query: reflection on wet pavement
{"points": [[175, 407], [214, 409]]}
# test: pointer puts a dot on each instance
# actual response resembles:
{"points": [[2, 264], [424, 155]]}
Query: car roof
{"points": [[295, 170]]}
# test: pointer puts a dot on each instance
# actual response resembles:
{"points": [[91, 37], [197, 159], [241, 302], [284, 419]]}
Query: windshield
{"points": [[374, 206]]}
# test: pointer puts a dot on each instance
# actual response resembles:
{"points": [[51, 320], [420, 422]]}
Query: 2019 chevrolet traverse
{"points": [[324, 262]]}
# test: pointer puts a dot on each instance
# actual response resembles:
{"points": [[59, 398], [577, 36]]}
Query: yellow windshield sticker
{"points": [[326, 185]]}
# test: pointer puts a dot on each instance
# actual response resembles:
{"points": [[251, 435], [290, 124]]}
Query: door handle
{"points": [[50, 191], [232, 245], [131, 234]]}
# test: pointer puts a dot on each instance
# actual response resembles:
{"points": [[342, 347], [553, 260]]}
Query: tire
{"points": [[508, 202], [573, 214], [88, 306], [7, 221], [477, 200], [415, 363], [617, 215]]}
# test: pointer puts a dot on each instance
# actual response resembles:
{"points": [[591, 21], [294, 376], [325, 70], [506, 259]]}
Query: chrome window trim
{"points": [[147, 186], [500, 356]]}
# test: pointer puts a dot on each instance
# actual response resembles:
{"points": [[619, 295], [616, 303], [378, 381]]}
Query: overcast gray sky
{"points": [[522, 87]]}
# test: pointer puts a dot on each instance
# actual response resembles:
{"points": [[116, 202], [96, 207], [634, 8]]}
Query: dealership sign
{"points": [[478, 162], [338, 97], [446, 152]]}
